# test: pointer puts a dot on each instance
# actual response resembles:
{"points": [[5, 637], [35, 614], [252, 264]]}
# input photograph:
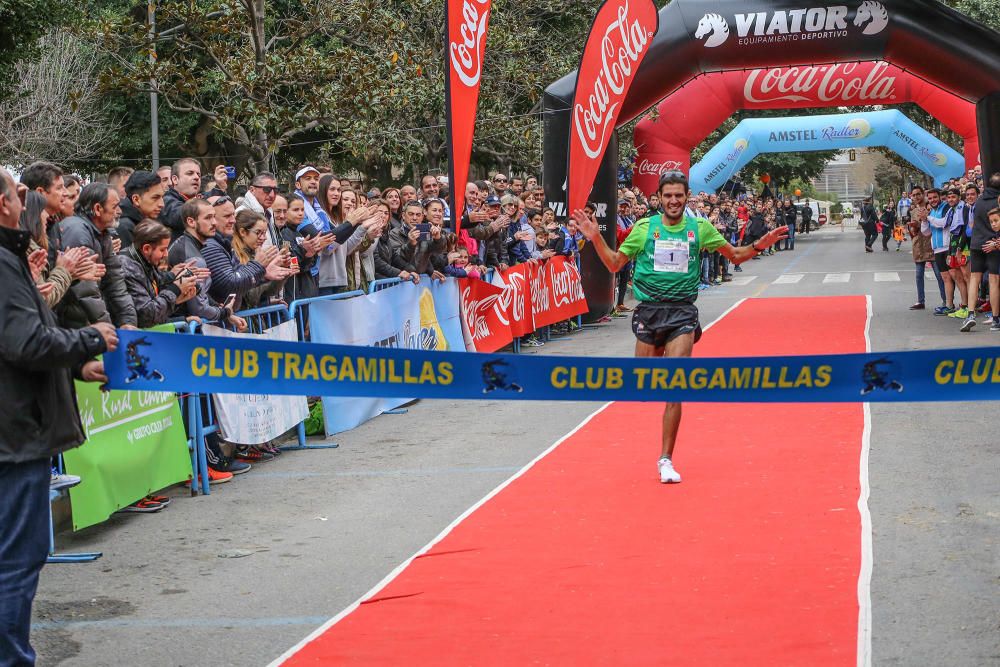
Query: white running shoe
{"points": [[667, 473]]}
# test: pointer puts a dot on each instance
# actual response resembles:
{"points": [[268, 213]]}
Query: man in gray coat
{"points": [[39, 419]]}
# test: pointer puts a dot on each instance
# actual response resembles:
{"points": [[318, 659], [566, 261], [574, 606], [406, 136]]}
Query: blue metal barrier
{"points": [[53, 557], [190, 415], [298, 309], [383, 283]]}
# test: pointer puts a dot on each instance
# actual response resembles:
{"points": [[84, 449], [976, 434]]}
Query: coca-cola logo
{"points": [[622, 47], [566, 285], [649, 168], [466, 55], [476, 313], [850, 83]]}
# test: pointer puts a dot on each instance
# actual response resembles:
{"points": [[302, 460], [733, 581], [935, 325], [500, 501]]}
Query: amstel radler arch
{"points": [[695, 37]]}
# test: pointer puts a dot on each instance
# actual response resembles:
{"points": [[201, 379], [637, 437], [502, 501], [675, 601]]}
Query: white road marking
{"points": [[741, 281], [887, 277], [788, 278], [837, 278], [864, 654]]}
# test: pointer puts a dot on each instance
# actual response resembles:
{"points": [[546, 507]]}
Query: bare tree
{"points": [[55, 112]]}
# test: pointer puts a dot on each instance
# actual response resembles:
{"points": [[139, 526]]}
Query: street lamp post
{"points": [[154, 102]]}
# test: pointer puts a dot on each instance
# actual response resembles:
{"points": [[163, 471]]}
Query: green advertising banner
{"points": [[136, 444]]}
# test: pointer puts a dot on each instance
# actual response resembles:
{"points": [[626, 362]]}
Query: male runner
{"points": [[666, 250]]}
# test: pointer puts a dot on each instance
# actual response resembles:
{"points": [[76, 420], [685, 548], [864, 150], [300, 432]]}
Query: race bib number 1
{"points": [[670, 256]]}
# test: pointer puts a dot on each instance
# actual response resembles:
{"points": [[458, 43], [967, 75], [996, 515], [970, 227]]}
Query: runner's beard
{"points": [[674, 218]]}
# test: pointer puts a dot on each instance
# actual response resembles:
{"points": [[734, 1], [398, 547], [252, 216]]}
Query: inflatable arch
{"points": [[891, 129], [925, 37], [689, 115]]}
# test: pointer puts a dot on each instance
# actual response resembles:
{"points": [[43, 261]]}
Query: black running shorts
{"points": [[941, 259], [985, 261], [658, 323]]}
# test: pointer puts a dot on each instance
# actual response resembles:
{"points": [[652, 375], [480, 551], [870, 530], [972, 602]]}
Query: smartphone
{"points": [[230, 298], [286, 246], [425, 231], [184, 274], [231, 173]]}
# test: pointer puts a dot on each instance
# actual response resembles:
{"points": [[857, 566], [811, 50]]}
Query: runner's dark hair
{"points": [[672, 178]]}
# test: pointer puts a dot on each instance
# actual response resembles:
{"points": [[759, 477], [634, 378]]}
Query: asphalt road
{"points": [[238, 577]]}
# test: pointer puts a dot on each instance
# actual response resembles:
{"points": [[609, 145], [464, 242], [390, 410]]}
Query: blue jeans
{"points": [[24, 545], [921, 266], [790, 241]]}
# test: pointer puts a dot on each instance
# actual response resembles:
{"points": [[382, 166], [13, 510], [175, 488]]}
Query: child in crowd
{"points": [[898, 234], [459, 266], [542, 249]]}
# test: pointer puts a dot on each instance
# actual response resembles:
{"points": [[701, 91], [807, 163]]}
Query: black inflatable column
{"points": [[598, 283], [988, 120]]}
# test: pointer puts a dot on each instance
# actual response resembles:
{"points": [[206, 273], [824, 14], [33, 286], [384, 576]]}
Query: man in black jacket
{"points": [[869, 223], [39, 419], [143, 199], [106, 300], [155, 293]]}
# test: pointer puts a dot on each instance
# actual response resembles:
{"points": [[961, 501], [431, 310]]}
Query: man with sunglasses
{"points": [[260, 198], [500, 184], [665, 251]]}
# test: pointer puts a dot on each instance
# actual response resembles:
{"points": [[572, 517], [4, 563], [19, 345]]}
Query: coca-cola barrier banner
{"points": [[521, 300], [619, 40], [687, 116], [465, 45]]}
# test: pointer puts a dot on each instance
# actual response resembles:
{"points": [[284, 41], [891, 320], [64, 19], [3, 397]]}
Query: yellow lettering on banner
{"points": [[960, 378], [756, 377], [198, 368], [347, 370], [310, 371], [231, 363], [292, 366], [213, 369], [783, 381], [805, 378], [823, 376], [275, 358], [659, 380], [574, 380], [251, 364], [557, 378], [328, 367], [640, 377], [739, 378], [367, 370], [718, 380], [941, 376], [408, 377], [615, 380], [446, 374], [699, 378], [679, 380], [979, 375], [427, 373], [767, 382], [595, 378], [996, 371], [392, 377]]}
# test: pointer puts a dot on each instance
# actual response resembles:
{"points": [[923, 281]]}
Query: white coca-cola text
{"points": [[648, 168], [622, 47], [466, 56], [475, 313], [821, 83], [566, 285]]}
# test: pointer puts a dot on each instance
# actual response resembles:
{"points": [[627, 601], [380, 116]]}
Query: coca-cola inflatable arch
{"points": [[686, 117], [696, 37], [794, 134]]}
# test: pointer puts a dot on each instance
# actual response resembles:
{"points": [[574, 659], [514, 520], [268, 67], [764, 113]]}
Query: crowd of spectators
{"points": [[147, 248]]}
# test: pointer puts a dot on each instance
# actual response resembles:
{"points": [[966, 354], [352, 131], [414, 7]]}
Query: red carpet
{"points": [[588, 560]]}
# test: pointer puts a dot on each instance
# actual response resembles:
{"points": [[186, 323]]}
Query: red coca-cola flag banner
{"points": [[619, 40], [465, 45], [485, 320], [565, 292]]}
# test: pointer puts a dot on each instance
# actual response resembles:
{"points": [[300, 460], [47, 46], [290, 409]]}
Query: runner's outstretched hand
{"points": [[587, 226]]}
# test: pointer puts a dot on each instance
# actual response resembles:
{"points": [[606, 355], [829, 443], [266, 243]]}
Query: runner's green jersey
{"points": [[668, 257]]}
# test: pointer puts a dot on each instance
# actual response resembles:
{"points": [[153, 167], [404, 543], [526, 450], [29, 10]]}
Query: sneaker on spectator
{"points": [[987, 317], [573, 326], [163, 500], [606, 318], [983, 306], [667, 473], [532, 341], [62, 481], [144, 506], [624, 309], [996, 324], [616, 313], [738, 269], [969, 323], [959, 313], [227, 464], [216, 477], [253, 455], [728, 278], [271, 449], [943, 310]]}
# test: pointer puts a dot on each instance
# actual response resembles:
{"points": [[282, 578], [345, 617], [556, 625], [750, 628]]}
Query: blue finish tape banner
{"points": [[163, 362]]}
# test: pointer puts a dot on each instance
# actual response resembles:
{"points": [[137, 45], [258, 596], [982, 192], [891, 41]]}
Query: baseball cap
{"points": [[508, 199], [305, 170], [492, 200], [624, 202]]}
